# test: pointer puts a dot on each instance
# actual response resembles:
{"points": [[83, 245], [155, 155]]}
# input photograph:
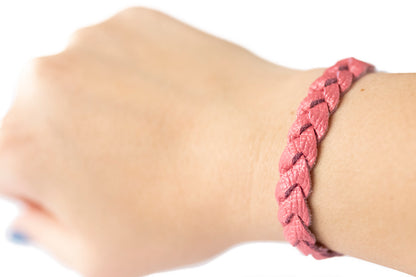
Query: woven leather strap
{"points": [[299, 156]]}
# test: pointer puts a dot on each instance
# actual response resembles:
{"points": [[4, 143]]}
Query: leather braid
{"points": [[300, 154]]}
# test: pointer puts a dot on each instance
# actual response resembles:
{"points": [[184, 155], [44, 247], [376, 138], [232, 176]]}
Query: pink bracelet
{"points": [[299, 156]]}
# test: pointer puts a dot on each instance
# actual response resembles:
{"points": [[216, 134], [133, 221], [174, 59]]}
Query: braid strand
{"points": [[299, 156]]}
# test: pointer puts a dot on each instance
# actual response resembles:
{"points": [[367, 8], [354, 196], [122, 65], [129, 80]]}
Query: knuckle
{"points": [[15, 131], [42, 73], [20, 125], [8, 121], [138, 10], [92, 37], [139, 13], [8, 124], [40, 67], [82, 35], [34, 67], [17, 145], [101, 33]]}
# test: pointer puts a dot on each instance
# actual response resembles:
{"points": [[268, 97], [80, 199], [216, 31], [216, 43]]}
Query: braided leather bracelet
{"points": [[299, 156]]}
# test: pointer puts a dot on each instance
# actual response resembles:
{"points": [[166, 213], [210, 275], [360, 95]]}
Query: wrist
{"points": [[282, 102], [268, 109], [361, 183]]}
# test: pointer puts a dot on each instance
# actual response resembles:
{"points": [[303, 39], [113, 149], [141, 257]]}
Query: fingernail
{"points": [[19, 237]]}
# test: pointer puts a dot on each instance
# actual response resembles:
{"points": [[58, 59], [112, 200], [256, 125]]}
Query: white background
{"points": [[298, 34]]}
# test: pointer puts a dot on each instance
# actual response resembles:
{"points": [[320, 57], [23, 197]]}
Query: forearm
{"points": [[365, 189], [364, 181]]}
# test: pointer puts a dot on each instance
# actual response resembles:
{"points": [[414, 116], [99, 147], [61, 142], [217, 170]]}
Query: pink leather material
{"points": [[299, 156]]}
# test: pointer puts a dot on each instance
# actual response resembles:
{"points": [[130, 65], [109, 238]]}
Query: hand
{"points": [[137, 148]]}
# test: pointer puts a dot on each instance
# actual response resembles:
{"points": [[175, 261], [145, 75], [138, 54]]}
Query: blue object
{"points": [[19, 237]]}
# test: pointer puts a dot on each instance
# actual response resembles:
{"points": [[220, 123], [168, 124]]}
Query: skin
{"points": [[148, 145]]}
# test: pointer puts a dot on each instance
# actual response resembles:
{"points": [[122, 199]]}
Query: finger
{"points": [[11, 181], [38, 228]]}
